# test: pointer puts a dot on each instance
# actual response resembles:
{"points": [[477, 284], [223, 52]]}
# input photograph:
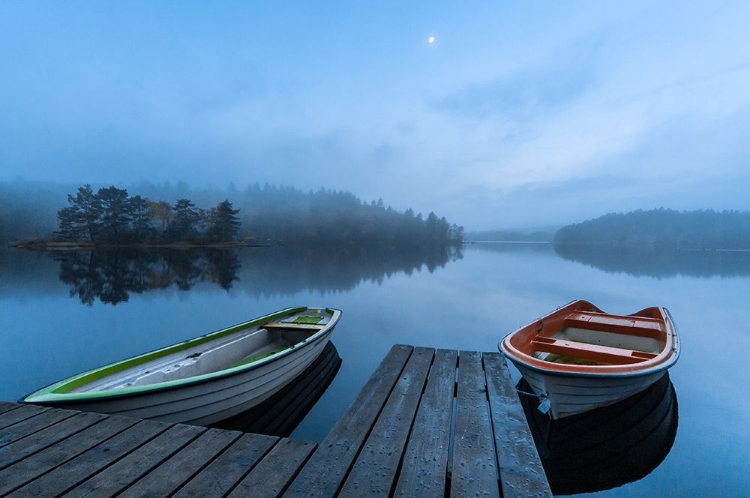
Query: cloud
{"points": [[524, 95], [515, 105]]}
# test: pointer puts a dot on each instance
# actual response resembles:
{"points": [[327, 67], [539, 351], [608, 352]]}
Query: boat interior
{"points": [[587, 338], [241, 348]]}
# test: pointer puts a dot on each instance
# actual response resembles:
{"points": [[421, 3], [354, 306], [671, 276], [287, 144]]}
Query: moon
{"points": [[431, 39]]}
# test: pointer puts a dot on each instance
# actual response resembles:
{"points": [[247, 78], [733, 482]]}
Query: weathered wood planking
{"points": [[427, 423], [57, 464], [42, 431], [325, 472], [423, 471], [136, 464], [517, 455], [13, 413], [276, 471], [473, 471], [221, 476], [183, 465], [376, 467]]}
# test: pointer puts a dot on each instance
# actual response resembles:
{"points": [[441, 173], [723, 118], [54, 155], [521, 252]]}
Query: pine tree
{"points": [[116, 212], [223, 223], [184, 226]]}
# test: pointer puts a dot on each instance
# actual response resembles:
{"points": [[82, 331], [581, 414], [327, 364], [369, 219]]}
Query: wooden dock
{"points": [[427, 423]]}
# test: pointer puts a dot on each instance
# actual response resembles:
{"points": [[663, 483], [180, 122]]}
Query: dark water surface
{"points": [[62, 314]]}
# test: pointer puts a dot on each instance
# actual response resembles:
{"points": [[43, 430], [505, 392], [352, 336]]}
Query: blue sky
{"points": [[519, 114]]}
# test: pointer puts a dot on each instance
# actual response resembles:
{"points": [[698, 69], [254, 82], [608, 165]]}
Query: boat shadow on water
{"points": [[606, 447], [282, 413]]}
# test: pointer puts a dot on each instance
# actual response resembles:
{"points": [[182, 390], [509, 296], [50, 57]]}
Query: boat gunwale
{"points": [[663, 361], [61, 391]]}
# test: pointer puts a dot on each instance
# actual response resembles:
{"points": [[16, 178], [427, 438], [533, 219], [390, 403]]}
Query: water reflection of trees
{"points": [[659, 263], [112, 276]]}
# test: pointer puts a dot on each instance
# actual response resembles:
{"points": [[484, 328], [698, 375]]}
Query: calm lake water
{"points": [[61, 316]]}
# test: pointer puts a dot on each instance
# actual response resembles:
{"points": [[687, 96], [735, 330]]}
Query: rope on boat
{"points": [[544, 403], [533, 395]]}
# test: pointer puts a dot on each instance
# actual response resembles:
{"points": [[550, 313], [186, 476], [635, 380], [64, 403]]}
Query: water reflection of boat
{"points": [[202, 380], [280, 414], [607, 447], [578, 358]]}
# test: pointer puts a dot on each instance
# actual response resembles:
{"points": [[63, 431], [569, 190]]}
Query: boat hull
{"points": [[206, 400], [570, 395], [579, 358]]}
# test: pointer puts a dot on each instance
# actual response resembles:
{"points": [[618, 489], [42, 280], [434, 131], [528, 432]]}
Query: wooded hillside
{"points": [[662, 229]]}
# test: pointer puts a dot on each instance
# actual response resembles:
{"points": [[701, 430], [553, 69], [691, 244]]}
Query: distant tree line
{"points": [[110, 215], [269, 215], [662, 229], [329, 217]]}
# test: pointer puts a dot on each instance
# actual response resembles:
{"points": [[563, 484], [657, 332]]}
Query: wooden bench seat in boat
{"points": [[313, 327], [590, 352], [632, 325]]}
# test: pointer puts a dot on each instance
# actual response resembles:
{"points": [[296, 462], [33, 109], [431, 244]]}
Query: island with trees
{"points": [[110, 217]]}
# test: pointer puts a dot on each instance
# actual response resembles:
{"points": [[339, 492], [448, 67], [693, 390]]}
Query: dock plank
{"points": [[77, 470], [474, 468], [182, 466], [516, 452], [219, 477], [274, 473], [6, 406], [128, 470], [19, 413], [24, 426], [423, 473], [329, 465], [40, 470], [375, 471], [24, 446]]}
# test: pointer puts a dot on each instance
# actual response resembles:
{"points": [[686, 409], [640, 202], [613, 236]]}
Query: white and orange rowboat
{"points": [[578, 358]]}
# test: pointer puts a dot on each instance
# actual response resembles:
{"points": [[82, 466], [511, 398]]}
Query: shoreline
{"points": [[45, 245]]}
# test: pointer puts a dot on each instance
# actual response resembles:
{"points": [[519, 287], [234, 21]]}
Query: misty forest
{"points": [[257, 215], [662, 229]]}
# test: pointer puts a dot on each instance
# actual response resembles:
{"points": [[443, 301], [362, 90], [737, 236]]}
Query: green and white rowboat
{"points": [[202, 380]]}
